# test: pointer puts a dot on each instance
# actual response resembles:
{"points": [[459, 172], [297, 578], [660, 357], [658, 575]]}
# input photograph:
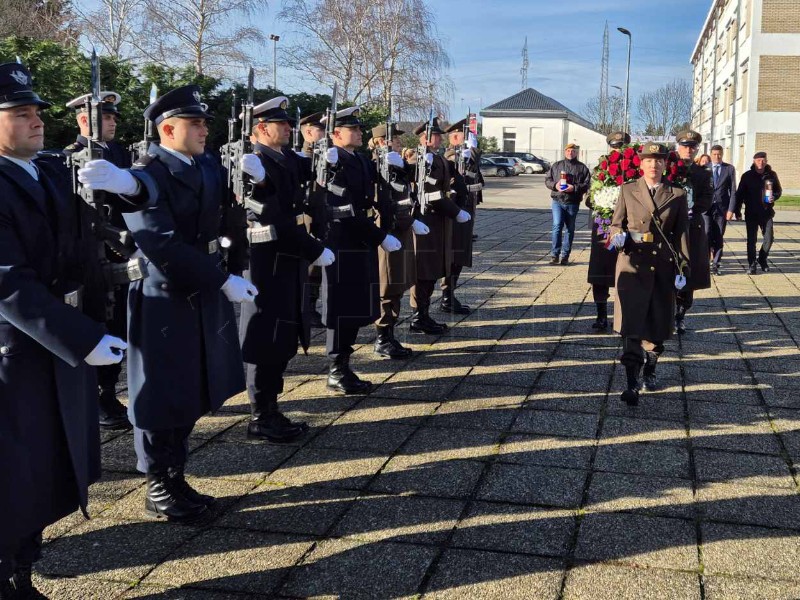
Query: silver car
{"points": [[509, 164]]}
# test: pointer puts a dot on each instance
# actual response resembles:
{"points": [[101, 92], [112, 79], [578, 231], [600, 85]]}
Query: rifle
{"points": [[105, 235], [319, 163], [383, 151], [296, 132], [239, 182], [461, 162], [423, 168], [139, 149]]}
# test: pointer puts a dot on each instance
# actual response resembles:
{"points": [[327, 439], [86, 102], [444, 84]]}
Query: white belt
{"points": [[261, 235], [471, 174], [398, 187], [433, 196], [475, 187], [431, 180]]}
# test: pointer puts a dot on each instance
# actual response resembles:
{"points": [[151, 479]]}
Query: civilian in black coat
{"points": [[723, 176]]}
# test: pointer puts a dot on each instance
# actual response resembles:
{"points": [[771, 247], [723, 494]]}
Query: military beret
{"points": [[314, 120], [108, 102], [379, 131], [183, 102], [618, 139], [420, 129], [456, 126], [16, 87], [760, 155], [653, 150], [273, 111], [688, 138]]}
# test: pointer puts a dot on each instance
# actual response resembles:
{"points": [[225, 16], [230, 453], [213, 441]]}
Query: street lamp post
{"points": [[624, 31], [274, 39]]}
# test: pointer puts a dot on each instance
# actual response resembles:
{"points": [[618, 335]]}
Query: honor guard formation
{"points": [[104, 256]]}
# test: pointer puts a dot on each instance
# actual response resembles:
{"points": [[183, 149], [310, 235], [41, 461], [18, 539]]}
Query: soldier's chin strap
{"points": [[681, 263]]}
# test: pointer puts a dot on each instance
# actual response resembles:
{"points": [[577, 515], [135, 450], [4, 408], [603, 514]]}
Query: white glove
{"points": [[420, 228], [301, 154], [251, 164], [463, 216], [107, 352], [680, 281], [467, 154], [102, 175], [472, 140], [429, 158], [618, 240], [332, 155], [238, 289], [325, 259], [391, 243], [395, 159]]}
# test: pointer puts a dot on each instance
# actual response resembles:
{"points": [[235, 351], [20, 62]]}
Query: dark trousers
{"points": [[715, 224], [340, 340], [421, 294], [19, 553], [264, 383], [633, 350], [390, 310], [449, 284], [767, 231], [684, 299], [157, 451], [600, 293], [563, 215]]}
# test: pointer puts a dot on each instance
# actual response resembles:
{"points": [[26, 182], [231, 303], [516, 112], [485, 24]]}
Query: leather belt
{"points": [[133, 270], [262, 234], [341, 212], [641, 237], [336, 190], [475, 187], [431, 180]]}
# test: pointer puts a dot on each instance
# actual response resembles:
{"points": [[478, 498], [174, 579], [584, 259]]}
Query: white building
{"points": [[532, 122], [747, 84]]}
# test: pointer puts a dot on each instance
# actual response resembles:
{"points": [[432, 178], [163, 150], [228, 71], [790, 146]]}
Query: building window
{"points": [[509, 139], [745, 83]]}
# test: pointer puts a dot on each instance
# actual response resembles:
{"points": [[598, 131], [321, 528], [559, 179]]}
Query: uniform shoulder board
{"points": [[143, 161], [73, 147]]}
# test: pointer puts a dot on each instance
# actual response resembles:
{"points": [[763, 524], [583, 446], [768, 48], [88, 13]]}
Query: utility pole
{"points": [[604, 116], [524, 70]]}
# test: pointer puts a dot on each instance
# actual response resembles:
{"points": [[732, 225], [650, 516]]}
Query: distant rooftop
{"points": [[532, 103]]}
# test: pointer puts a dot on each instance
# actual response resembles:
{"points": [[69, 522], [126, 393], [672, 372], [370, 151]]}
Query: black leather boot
{"points": [[601, 322], [267, 423], [113, 414], [386, 345], [421, 322], [631, 395], [680, 324], [649, 379], [178, 478], [342, 379], [451, 304], [164, 500]]}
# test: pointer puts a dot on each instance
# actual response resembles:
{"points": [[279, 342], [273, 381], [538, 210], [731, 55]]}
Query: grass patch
{"points": [[788, 203]]}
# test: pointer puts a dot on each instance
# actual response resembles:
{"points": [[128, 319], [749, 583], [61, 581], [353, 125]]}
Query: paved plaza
{"points": [[499, 461]]}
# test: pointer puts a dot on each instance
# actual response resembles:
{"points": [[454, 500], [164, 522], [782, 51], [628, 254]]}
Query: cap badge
{"points": [[285, 104], [110, 98], [196, 95], [654, 148], [20, 77]]}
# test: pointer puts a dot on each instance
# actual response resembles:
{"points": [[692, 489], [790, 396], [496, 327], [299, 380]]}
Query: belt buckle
{"points": [[647, 237], [262, 235], [74, 298], [213, 246]]}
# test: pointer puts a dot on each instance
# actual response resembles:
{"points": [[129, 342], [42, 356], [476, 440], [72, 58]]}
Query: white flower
{"points": [[606, 197]]}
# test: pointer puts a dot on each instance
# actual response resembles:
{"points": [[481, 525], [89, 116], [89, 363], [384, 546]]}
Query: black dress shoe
{"points": [[752, 269], [564, 261], [764, 266], [715, 269], [630, 397], [600, 324], [451, 304], [113, 414], [165, 501], [179, 481], [277, 429]]}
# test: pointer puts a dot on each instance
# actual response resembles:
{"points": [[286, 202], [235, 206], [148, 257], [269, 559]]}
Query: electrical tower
{"points": [[604, 115], [524, 70]]}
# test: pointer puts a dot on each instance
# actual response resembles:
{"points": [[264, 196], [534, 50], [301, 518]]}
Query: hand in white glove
{"points": [[251, 164], [463, 216], [680, 281], [618, 240], [420, 228], [108, 352], [238, 289], [325, 259], [429, 158], [472, 140], [332, 155], [395, 159], [391, 243], [301, 154], [467, 154], [102, 175]]}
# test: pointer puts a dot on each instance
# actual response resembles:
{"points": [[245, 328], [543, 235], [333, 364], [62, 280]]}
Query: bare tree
{"points": [[666, 108], [37, 19], [614, 117], [114, 26], [368, 48]]}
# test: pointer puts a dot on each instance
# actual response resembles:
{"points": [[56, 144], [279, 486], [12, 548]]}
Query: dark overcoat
{"points": [[350, 285], [602, 261], [49, 439], [183, 347], [270, 328], [397, 270], [466, 200], [701, 182], [434, 251], [645, 306]]}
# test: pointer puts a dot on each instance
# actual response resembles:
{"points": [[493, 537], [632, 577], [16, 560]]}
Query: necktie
{"points": [[716, 175]]}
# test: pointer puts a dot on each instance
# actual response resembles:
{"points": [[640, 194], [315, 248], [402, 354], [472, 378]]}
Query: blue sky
{"points": [[565, 39]]}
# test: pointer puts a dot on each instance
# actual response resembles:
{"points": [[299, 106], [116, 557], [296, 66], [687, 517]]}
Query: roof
{"points": [[704, 30], [532, 103]]}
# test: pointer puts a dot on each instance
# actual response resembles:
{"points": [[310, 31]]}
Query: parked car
{"points": [[507, 162], [518, 164], [529, 168], [525, 156], [492, 169]]}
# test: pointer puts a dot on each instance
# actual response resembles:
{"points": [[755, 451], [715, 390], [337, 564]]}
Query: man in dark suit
{"points": [[715, 219]]}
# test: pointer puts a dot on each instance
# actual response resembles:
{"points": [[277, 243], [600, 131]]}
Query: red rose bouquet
{"points": [[618, 167]]}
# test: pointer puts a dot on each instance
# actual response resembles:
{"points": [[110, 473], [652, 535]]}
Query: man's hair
{"points": [[716, 147]]}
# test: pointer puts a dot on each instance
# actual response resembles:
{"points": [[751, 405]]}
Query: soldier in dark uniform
{"points": [[184, 358], [397, 270], [350, 285], [49, 440], [280, 252], [700, 196], [646, 275], [316, 214], [602, 263], [112, 412], [469, 184], [434, 251]]}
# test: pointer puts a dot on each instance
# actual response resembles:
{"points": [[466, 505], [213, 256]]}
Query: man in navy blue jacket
{"points": [[715, 219]]}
